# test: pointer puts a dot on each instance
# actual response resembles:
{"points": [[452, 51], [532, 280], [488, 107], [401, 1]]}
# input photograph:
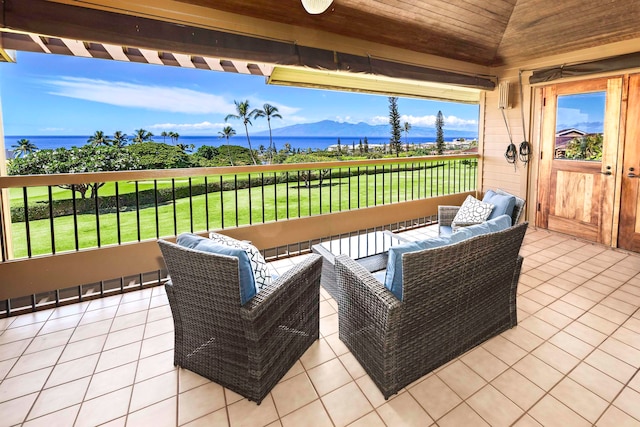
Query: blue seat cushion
{"points": [[502, 204], [498, 224], [393, 275], [446, 230], [245, 272]]}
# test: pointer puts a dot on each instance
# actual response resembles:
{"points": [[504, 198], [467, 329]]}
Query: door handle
{"points": [[633, 175], [606, 173]]}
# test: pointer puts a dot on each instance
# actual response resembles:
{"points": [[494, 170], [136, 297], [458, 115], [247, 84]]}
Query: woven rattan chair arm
{"points": [[302, 279], [401, 239], [446, 214], [370, 322], [363, 281]]}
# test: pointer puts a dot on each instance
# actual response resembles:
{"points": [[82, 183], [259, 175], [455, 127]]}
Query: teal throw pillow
{"points": [[245, 272], [502, 204], [393, 276]]}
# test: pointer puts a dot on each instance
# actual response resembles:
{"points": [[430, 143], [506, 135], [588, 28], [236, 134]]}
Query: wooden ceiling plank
{"points": [[445, 16], [413, 31], [539, 28]]}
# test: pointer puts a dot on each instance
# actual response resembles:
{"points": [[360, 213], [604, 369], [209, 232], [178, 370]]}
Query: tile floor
{"points": [[573, 360]]}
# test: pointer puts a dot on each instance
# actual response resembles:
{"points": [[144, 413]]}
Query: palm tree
{"points": [[174, 137], [227, 133], [142, 135], [269, 111], [242, 108], [406, 128], [119, 139], [24, 147], [164, 136], [98, 138], [185, 147]]}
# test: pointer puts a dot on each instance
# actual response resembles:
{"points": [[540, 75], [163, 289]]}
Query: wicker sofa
{"points": [[446, 214], [454, 298], [246, 348]]}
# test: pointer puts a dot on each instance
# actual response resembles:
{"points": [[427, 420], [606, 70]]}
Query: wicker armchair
{"points": [[447, 213], [249, 348], [454, 298]]}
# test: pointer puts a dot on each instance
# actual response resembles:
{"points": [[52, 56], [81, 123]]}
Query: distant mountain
{"points": [[359, 130]]}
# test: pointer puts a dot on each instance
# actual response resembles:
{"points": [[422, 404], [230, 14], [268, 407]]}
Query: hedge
{"points": [[147, 198]]}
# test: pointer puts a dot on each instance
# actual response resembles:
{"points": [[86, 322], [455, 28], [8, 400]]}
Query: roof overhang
{"points": [[50, 27], [369, 83]]}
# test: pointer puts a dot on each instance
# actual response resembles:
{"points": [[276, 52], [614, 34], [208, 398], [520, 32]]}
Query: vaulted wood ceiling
{"points": [[479, 32], [483, 32]]}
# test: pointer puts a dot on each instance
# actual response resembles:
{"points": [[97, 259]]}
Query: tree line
{"points": [[114, 153], [395, 141]]}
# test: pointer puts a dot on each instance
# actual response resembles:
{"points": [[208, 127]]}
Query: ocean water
{"points": [[303, 143]]}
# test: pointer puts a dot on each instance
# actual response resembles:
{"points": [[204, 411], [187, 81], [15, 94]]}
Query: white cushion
{"points": [[259, 266], [472, 211]]}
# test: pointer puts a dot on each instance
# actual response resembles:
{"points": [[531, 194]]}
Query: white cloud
{"points": [[345, 119], [449, 121], [283, 110], [379, 120], [289, 120], [188, 126], [570, 117], [124, 94]]}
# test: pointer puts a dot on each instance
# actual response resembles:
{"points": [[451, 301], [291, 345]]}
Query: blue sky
{"points": [[45, 94], [584, 111]]}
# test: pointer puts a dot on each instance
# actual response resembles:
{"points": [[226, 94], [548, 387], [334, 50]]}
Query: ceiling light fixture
{"points": [[316, 7]]}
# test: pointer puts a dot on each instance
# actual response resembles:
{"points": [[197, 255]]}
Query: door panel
{"points": [[629, 225], [580, 132]]}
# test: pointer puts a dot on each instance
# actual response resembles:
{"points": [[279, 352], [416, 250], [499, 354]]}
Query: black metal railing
{"points": [[50, 219], [49, 215]]}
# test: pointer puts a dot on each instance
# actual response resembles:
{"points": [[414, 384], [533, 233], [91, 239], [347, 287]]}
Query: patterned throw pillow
{"points": [[259, 266], [472, 211]]}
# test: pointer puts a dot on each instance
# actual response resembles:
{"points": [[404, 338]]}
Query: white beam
{"points": [[151, 56], [213, 63], [184, 60], [265, 69], [36, 38], [242, 67], [76, 47], [116, 52]]}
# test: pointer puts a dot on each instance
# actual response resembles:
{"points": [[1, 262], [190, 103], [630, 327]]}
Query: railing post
{"points": [[6, 248], [5, 229]]}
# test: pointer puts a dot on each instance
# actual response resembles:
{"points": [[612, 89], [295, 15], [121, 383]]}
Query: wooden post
{"points": [[5, 209]]}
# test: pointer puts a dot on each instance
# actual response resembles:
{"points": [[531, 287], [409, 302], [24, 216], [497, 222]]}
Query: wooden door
{"points": [[629, 225], [580, 132]]}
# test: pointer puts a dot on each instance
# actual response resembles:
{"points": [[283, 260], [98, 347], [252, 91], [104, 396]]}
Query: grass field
{"points": [[262, 204]]}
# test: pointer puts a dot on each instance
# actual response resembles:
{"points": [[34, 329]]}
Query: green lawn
{"points": [[333, 195]]}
